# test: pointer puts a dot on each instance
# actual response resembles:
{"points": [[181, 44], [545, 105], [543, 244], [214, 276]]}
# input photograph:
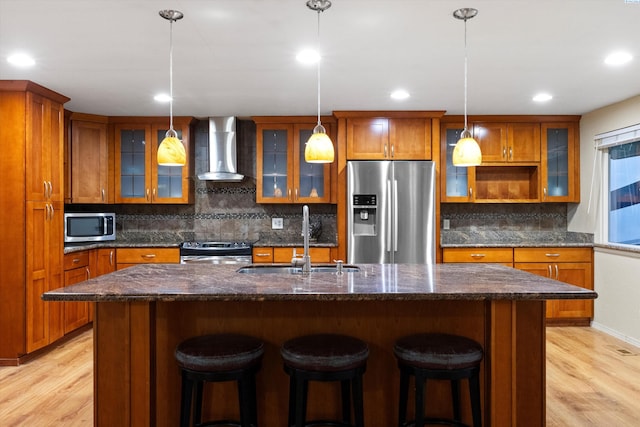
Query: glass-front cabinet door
{"points": [[139, 178], [283, 176], [457, 181], [559, 168], [132, 165], [274, 167]]}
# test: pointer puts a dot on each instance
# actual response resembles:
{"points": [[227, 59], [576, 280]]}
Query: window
{"points": [[624, 193], [623, 165]]}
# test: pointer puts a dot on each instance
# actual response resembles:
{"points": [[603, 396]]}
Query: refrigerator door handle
{"points": [[395, 215], [389, 218]]}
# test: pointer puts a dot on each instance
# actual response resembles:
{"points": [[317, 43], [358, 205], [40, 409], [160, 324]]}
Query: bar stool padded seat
{"points": [[325, 357], [441, 357], [218, 358]]}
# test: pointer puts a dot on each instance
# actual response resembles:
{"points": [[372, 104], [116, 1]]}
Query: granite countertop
{"points": [[374, 282], [70, 248], [514, 239]]}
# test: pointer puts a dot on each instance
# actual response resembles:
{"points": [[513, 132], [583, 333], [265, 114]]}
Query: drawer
{"points": [[147, 255], [491, 255], [284, 255], [262, 255], [76, 259], [553, 254]]}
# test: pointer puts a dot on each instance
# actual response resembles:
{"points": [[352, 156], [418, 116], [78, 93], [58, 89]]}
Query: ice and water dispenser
{"points": [[364, 214]]}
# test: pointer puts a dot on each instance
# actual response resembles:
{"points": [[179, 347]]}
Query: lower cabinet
{"points": [[566, 264], [285, 254], [127, 257], [569, 265], [76, 270]]}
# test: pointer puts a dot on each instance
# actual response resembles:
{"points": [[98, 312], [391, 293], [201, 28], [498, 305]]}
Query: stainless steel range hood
{"points": [[222, 151]]}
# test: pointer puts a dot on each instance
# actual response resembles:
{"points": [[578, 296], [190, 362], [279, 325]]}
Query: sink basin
{"points": [[287, 269]]}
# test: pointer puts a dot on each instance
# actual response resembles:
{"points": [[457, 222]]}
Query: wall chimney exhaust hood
{"points": [[222, 151]]}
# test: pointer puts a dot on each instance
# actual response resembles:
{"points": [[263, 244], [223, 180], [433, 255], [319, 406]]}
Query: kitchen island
{"points": [[143, 312]]}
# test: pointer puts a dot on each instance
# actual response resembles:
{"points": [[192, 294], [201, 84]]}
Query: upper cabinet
{"points": [[508, 142], [560, 162], [381, 138], [525, 160], [90, 161], [138, 177], [45, 150], [283, 175]]}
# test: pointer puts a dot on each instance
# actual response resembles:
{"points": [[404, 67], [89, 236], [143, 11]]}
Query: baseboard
{"points": [[616, 334]]}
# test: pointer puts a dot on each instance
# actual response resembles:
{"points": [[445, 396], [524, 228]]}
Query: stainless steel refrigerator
{"points": [[391, 212]]}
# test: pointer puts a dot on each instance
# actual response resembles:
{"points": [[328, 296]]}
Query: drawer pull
{"points": [[478, 255], [149, 256], [552, 255], [76, 260], [262, 255]]}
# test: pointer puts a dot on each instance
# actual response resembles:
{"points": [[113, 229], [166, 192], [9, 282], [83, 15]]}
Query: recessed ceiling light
{"points": [[21, 60], [308, 56], [400, 94], [542, 97], [162, 97], [618, 58]]}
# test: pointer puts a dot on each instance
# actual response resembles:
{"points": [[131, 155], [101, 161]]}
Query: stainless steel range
{"points": [[216, 252]]}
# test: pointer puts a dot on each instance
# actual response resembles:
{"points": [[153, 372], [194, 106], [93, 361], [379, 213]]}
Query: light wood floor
{"points": [[593, 379]]}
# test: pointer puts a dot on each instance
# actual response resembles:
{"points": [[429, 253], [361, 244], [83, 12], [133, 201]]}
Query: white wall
{"points": [[616, 273]]}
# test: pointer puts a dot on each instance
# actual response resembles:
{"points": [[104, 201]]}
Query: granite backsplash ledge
{"points": [[509, 238]]}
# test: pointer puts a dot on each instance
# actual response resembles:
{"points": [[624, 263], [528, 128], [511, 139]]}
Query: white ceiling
{"points": [[237, 57]]}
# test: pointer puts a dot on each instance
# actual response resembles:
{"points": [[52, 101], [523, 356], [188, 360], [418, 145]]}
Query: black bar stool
{"points": [[442, 357], [217, 358], [325, 357]]}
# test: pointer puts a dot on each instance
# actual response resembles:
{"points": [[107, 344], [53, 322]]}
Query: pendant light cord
{"points": [[319, 60], [171, 76], [465, 75]]}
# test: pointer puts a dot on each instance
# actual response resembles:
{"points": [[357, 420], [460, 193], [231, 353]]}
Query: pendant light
{"points": [[467, 151], [319, 148], [171, 152]]}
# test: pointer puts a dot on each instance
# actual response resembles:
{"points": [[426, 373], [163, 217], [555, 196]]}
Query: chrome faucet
{"points": [[305, 261]]}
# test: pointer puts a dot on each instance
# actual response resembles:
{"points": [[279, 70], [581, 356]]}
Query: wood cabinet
{"points": [[283, 175], [508, 142], [502, 256], [45, 245], [569, 265], [138, 177], [524, 160], [127, 257], [76, 270], [103, 261], [285, 254], [560, 162], [90, 160], [31, 220], [380, 138]]}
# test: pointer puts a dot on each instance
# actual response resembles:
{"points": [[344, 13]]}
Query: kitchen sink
{"points": [[286, 269]]}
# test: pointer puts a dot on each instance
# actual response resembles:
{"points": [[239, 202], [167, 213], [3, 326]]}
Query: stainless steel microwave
{"points": [[89, 227]]}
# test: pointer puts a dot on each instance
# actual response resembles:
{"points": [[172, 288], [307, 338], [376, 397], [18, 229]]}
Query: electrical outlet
{"points": [[446, 224], [277, 224]]}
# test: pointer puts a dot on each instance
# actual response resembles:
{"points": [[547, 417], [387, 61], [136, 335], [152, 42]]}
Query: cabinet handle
{"points": [[552, 255], [153, 195], [103, 194], [148, 195], [504, 152], [45, 189], [385, 151], [477, 256], [76, 260], [393, 146], [470, 192], [557, 273], [296, 194], [262, 255], [51, 211], [289, 194], [50, 189], [110, 257], [544, 193], [510, 153], [549, 267], [149, 256], [88, 273]]}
